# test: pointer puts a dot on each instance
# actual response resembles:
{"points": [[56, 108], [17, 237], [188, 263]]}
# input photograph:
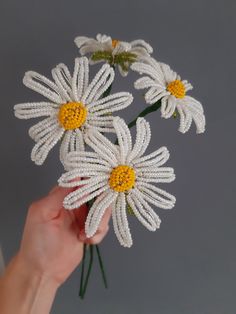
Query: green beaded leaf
{"points": [[102, 55], [125, 59]]}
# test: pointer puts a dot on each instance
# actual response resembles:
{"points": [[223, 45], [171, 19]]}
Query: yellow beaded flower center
{"points": [[114, 43], [72, 115], [122, 178], [176, 88]]}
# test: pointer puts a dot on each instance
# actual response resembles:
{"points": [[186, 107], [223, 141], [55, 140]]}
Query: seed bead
{"points": [[114, 43], [176, 88], [72, 115], [122, 178]]}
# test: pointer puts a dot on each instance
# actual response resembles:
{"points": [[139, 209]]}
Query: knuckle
{"points": [[33, 206], [99, 230]]}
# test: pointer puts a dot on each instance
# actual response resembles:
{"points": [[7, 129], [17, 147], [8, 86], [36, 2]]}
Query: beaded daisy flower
{"points": [[121, 177], [165, 84], [74, 106], [113, 51]]}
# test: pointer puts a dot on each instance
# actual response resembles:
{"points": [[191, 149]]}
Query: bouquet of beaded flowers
{"points": [[79, 112]]}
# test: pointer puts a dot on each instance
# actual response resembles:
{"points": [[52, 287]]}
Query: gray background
{"points": [[188, 266]]}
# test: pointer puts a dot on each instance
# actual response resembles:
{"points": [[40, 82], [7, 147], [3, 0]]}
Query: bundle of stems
{"points": [[90, 247]]}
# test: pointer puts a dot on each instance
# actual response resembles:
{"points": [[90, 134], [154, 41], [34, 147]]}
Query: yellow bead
{"points": [[122, 178], [114, 43], [176, 88], [72, 115]]}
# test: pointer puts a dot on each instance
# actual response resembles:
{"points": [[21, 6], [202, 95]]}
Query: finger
{"points": [[50, 206], [105, 220], [97, 238], [81, 215], [101, 231], [53, 189]]}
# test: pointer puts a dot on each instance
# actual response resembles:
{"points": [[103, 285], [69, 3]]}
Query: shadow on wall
{"points": [[2, 266]]}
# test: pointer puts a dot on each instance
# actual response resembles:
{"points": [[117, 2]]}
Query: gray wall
{"points": [[188, 266], [2, 263]]}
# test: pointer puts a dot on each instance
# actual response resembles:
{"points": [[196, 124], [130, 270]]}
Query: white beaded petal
{"points": [[138, 47], [62, 83], [42, 128], [63, 75], [99, 84], [142, 215], [157, 158], [80, 78], [157, 78], [44, 145], [97, 168], [108, 153], [138, 194], [168, 106], [84, 194], [79, 158], [124, 139], [34, 110], [110, 103], [73, 141], [70, 89], [120, 221], [97, 211], [43, 86], [143, 137], [156, 196]]}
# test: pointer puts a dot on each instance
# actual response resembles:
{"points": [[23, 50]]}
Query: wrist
{"points": [[32, 274], [26, 290]]}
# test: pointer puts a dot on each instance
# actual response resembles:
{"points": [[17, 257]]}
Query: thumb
{"points": [[51, 205]]}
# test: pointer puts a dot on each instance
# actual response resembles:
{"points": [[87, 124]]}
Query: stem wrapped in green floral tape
{"points": [[146, 111], [82, 272], [83, 285], [101, 266], [143, 113]]}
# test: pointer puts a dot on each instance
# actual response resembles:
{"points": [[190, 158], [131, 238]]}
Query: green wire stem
{"points": [[101, 267], [83, 285], [91, 247], [146, 111], [82, 272], [143, 113]]}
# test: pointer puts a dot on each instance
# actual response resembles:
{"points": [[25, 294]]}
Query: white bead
{"points": [[97, 166], [138, 47], [158, 76], [70, 88]]}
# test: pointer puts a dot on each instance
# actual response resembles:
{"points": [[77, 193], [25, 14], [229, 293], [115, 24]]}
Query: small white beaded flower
{"points": [[113, 51], [120, 176], [74, 106], [165, 84]]}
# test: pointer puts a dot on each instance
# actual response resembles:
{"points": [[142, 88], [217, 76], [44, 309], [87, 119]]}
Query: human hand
{"points": [[53, 238]]}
